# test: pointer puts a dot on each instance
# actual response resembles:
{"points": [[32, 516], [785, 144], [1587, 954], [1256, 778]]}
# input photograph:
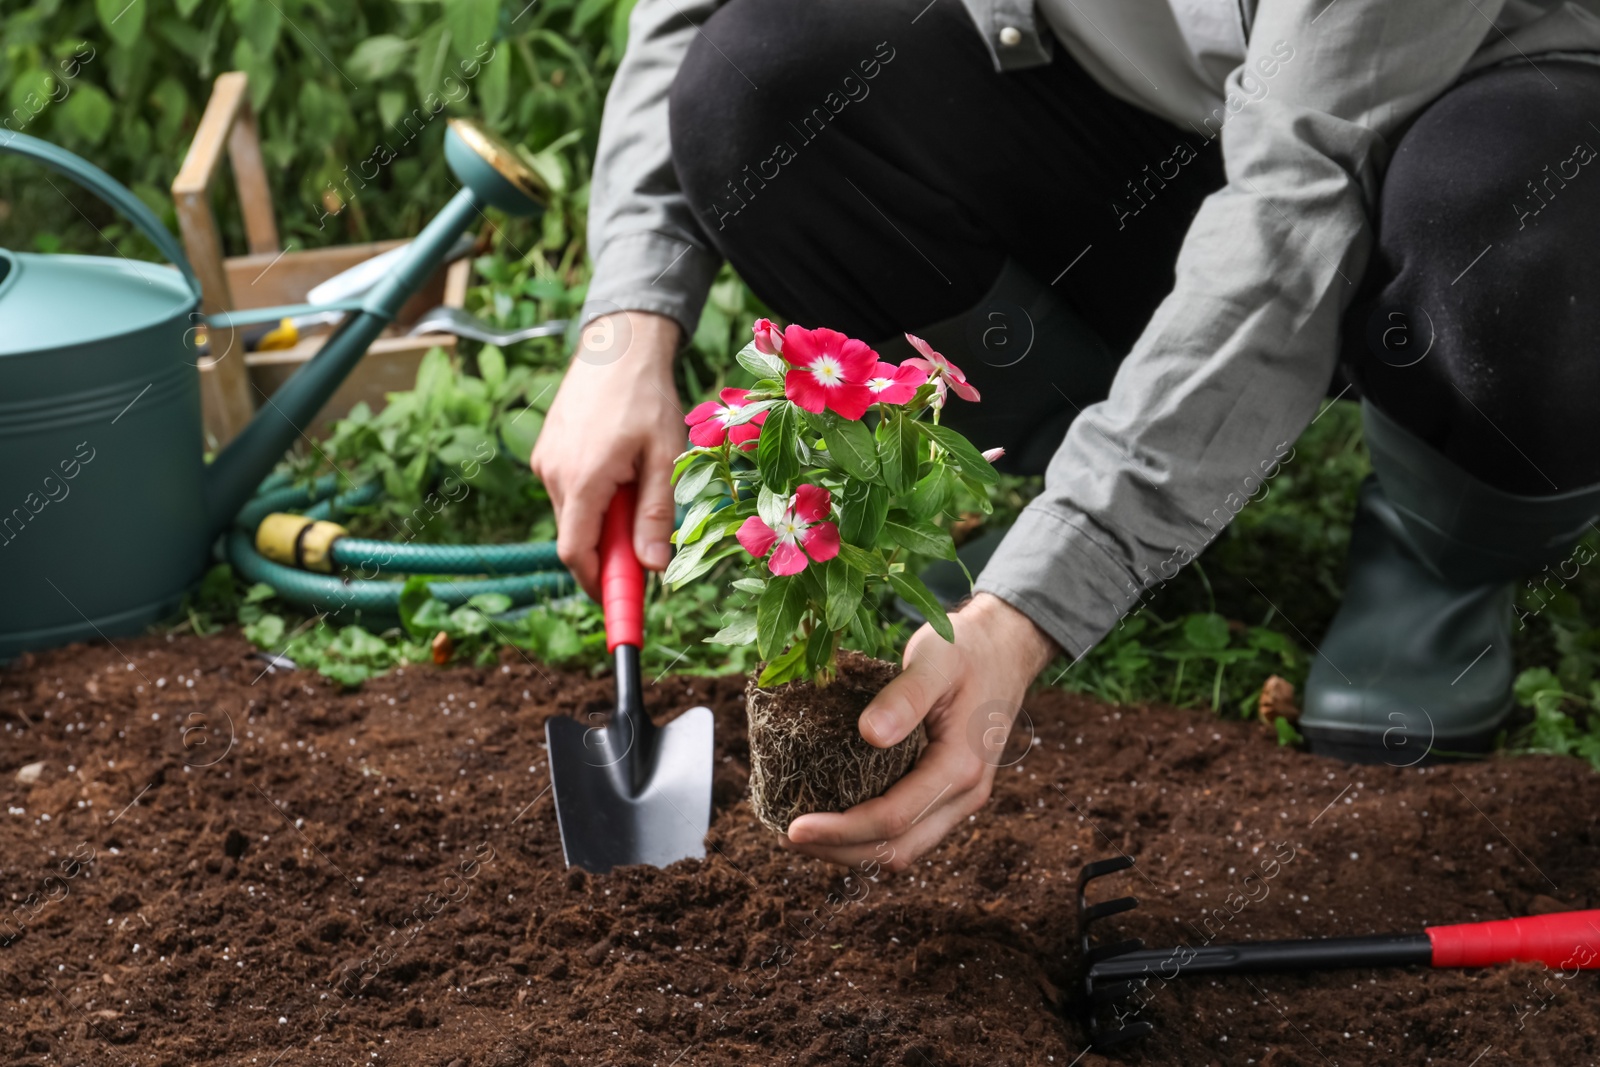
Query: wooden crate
{"points": [[230, 387]]}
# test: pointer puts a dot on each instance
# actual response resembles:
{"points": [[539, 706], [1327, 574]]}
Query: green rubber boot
{"points": [[1417, 664]]}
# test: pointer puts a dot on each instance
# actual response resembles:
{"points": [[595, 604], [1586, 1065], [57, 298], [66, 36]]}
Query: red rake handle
{"points": [[1565, 939], [621, 576]]}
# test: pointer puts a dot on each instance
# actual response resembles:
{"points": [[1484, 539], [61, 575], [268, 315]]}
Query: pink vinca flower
{"points": [[941, 371], [830, 371], [708, 422], [769, 339], [895, 385], [801, 537]]}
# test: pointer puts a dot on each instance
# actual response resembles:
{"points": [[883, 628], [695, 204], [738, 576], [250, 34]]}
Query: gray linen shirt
{"points": [[1304, 95]]}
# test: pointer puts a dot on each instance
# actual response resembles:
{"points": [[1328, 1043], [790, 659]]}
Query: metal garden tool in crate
{"points": [[1113, 978], [107, 508]]}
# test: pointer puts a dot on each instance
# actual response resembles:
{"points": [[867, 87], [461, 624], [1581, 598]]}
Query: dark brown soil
{"points": [[376, 878], [806, 752]]}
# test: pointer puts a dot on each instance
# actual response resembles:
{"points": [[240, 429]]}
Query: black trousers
{"points": [[864, 167]]}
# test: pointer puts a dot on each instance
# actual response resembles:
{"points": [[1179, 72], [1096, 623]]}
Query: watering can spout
{"points": [[491, 175]]}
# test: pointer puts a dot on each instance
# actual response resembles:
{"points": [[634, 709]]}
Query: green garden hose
{"points": [[527, 572]]}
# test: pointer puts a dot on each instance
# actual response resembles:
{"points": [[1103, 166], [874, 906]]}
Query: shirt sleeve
{"points": [[1233, 364], [649, 253]]}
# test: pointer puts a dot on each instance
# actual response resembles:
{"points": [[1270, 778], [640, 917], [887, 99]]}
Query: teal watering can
{"points": [[107, 508]]}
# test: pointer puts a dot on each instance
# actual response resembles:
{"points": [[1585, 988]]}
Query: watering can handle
{"points": [[108, 189], [621, 576]]}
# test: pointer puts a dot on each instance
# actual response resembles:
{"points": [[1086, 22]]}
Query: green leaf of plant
{"points": [[490, 603], [519, 429], [850, 446], [971, 461], [921, 538], [472, 25], [553, 638], [377, 57], [918, 596], [979, 493], [260, 69], [775, 453], [819, 650], [494, 86], [258, 592], [466, 621], [427, 66], [435, 377], [845, 588], [465, 451], [897, 450], [1207, 632], [349, 675], [694, 522], [266, 632], [862, 509], [492, 366], [1287, 734], [359, 644], [747, 412], [695, 479], [778, 614], [413, 595], [88, 111], [759, 363], [865, 628], [432, 617], [686, 460], [864, 560], [1533, 681], [686, 561], [750, 585], [257, 21], [786, 668], [932, 493], [741, 631], [123, 21]]}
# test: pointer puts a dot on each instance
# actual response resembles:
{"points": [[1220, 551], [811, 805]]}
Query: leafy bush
{"points": [[338, 88]]}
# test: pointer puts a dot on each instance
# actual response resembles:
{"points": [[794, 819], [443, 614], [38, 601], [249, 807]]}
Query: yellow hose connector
{"points": [[296, 541]]}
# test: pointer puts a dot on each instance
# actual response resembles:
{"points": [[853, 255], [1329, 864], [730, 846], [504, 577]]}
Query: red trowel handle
{"points": [[1564, 940], [621, 576]]}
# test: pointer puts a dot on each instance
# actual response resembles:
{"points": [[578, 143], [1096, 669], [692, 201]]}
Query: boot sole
{"points": [[1364, 746]]}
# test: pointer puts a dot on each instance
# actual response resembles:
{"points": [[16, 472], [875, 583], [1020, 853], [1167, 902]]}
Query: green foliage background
{"points": [[330, 82], [124, 83]]}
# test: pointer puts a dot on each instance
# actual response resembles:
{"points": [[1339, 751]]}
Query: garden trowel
{"points": [[626, 790]]}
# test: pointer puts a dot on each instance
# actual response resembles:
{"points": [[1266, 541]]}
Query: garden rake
{"points": [[1112, 977], [626, 790]]}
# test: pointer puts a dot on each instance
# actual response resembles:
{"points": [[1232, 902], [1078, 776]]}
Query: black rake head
{"points": [[1099, 1003]]}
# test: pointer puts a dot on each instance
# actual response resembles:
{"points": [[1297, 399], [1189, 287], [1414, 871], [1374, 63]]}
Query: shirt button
{"points": [[1010, 36]]}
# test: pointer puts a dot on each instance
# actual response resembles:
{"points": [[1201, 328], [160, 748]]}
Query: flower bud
{"points": [[769, 339]]}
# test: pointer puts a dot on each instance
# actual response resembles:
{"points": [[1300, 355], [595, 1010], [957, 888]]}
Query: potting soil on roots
{"points": [[805, 751], [217, 865]]}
